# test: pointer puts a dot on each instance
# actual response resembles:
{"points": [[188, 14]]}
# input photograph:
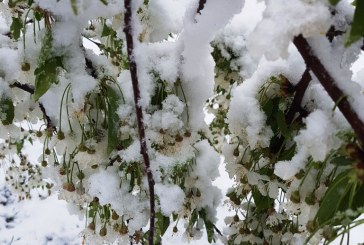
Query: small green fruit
{"points": [[25, 66], [47, 151], [60, 135], [91, 226], [295, 197], [69, 187], [103, 231]]}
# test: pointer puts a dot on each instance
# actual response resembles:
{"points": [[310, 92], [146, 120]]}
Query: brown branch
{"points": [[295, 107], [30, 89], [139, 114], [25, 87], [300, 92], [330, 86], [332, 33], [201, 5], [90, 69]]}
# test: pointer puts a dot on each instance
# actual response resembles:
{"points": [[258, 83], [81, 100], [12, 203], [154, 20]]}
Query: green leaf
{"points": [[16, 27], [174, 216], [38, 16], [287, 154], [6, 111], [113, 120], [282, 125], [46, 72], [19, 146], [341, 161], [268, 108], [162, 223], [334, 197], [334, 2], [107, 212], [357, 27], [45, 76], [193, 219], [106, 31], [209, 226], [104, 2], [261, 202], [74, 6]]}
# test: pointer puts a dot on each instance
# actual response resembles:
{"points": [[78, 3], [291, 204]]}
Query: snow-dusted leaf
{"points": [[16, 27], [162, 223], [209, 226], [6, 111], [74, 6]]}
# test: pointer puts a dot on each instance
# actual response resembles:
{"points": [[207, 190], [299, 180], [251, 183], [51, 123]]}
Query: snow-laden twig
{"points": [[330, 86], [201, 5], [30, 89], [139, 114]]}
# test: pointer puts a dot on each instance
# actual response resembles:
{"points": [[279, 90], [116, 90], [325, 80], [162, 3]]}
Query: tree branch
{"points": [[139, 114], [26, 87], [330, 86], [300, 92], [201, 5], [295, 107], [332, 33], [30, 89]]}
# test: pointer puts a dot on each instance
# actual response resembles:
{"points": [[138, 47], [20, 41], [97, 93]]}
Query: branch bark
{"points": [[139, 114], [30, 89], [330, 86]]}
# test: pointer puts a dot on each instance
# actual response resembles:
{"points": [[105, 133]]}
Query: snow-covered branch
{"points": [[139, 114], [328, 82]]}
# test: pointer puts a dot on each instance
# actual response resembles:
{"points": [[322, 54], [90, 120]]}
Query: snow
{"points": [[310, 18], [245, 117], [37, 221], [170, 197], [173, 45], [197, 69], [166, 16]]}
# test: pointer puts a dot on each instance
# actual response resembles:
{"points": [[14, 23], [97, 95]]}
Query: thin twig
{"points": [[30, 89], [332, 33], [90, 69], [330, 86], [25, 87], [139, 114]]}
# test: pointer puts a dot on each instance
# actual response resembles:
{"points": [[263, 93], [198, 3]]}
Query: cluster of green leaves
{"points": [[345, 192]]}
